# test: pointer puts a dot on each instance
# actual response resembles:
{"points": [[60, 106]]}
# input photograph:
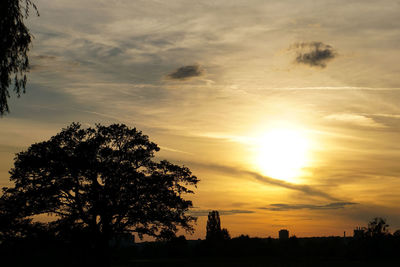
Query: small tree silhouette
{"points": [[214, 231], [377, 228]]}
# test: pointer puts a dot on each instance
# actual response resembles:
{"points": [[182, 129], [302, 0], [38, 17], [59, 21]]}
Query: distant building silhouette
{"points": [[359, 232], [283, 234]]}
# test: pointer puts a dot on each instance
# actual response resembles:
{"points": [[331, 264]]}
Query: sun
{"points": [[282, 153]]}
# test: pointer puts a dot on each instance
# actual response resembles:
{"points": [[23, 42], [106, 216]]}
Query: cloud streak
{"points": [[287, 207], [355, 119], [306, 189], [314, 54], [309, 190], [221, 212]]}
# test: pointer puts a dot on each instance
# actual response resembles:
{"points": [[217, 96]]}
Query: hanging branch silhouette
{"points": [[15, 42]]}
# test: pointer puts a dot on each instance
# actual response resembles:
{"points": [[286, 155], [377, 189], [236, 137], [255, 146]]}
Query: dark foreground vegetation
{"points": [[239, 251], [373, 245]]}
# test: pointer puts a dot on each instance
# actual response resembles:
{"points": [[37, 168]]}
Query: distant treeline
{"points": [[293, 248], [44, 246], [50, 252]]}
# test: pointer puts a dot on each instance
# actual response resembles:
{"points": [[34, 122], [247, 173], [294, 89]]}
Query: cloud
{"points": [[175, 150], [221, 212], [306, 189], [186, 72], [393, 116], [356, 119], [330, 206], [309, 190], [315, 54], [41, 63], [46, 57], [10, 148]]}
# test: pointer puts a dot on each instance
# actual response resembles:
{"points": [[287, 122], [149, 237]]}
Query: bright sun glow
{"points": [[282, 153]]}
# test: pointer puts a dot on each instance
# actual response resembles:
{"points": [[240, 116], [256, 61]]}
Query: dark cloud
{"points": [[315, 54], [221, 212], [186, 72], [330, 206], [52, 63]]}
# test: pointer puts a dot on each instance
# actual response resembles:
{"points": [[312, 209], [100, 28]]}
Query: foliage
{"points": [[14, 46], [102, 180], [11, 226]]}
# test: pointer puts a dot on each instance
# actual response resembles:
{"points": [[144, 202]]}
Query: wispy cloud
{"points": [[175, 150], [315, 54], [364, 88], [52, 63], [393, 116], [286, 207], [10, 148], [227, 137], [221, 212], [307, 189], [186, 72], [356, 119]]}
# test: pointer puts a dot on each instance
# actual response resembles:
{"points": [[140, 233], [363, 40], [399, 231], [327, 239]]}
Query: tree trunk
{"points": [[102, 251]]}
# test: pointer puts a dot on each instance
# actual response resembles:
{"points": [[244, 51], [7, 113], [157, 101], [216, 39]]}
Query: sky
{"points": [[287, 111]]}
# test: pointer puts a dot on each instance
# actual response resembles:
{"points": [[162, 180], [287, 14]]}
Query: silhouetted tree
{"points": [[12, 227], [377, 228], [214, 231], [225, 234], [102, 179], [14, 46], [397, 233], [213, 225]]}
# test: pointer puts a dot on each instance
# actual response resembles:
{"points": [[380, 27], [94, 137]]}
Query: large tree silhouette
{"points": [[103, 180], [14, 46]]}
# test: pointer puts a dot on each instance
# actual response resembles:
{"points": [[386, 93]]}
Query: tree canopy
{"points": [[102, 179], [14, 46]]}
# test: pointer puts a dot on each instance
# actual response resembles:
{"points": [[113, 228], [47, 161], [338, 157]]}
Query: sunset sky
{"points": [[287, 111]]}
